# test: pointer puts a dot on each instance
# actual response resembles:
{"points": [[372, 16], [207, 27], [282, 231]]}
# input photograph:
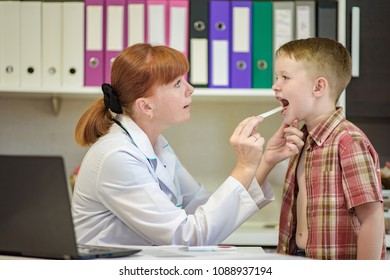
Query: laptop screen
{"points": [[35, 210]]}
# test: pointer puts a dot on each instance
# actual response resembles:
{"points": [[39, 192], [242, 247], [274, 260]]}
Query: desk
{"points": [[179, 253], [255, 235]]}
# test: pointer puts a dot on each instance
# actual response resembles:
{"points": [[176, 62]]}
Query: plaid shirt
{"points": [[341, 172]]}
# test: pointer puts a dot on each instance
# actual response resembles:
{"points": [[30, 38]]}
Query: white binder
{"points": [[51, 44], [9, 43], [305, 23], [284, 20], [73, 44], [30, 44]]}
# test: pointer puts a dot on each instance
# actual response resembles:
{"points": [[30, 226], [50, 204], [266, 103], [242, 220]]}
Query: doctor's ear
{"points": [[320, 86], [144, 105]]}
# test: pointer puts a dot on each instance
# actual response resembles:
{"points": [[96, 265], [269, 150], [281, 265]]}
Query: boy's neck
{"points": [[316, 119]]}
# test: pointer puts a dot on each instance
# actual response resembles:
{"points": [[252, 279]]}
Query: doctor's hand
{"points": [[285, 143], [248, 146]]}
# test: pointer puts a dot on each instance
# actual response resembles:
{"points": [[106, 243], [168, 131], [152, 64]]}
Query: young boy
{"points": [[332, 205]]}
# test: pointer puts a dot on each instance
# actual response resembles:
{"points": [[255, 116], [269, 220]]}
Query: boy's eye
{"points": [[178, 83], [282, 77]]}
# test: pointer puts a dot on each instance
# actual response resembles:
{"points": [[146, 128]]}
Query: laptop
{"points": [[35, 212]]}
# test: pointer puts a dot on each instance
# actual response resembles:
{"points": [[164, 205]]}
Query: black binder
{"points": [[327, 19], [199, 44]]}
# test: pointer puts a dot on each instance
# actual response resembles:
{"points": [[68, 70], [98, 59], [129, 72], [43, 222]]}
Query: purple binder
{"points": [[241, 48], [219, 43]]}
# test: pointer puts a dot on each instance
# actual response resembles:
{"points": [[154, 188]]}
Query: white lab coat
{"points": [[128, 194]]}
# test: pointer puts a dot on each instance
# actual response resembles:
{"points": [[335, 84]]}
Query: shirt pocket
{"points": [[328, 192]]}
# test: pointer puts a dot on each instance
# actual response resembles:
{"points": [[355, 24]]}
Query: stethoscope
{"points": [[132, 140], [152, 162], [124, 129]]}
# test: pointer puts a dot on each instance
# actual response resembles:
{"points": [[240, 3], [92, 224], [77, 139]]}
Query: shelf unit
{"points": [[55, 95], [95, 92]]}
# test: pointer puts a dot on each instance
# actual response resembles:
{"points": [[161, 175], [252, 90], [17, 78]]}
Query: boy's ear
{"points": [[320, 86]]}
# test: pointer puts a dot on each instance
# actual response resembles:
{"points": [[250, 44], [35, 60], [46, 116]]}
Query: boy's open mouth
{"points": [[285, 104]]}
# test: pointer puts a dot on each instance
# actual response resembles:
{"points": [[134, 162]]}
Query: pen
{"points": [[210, 248], [271, 112]]}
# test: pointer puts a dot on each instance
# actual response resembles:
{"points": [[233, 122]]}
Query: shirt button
{"points": [[289, 224], [284, 249]]}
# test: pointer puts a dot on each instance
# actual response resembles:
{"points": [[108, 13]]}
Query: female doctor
{"points": [[131, 188]]}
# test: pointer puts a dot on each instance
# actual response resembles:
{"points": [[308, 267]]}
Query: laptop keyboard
{"points": [[94, 250]]}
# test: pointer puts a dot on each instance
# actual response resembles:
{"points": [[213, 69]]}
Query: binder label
{"points": [[303, 22], [114, 28], [94, 28], [241, 29], [177, 36], [199, 69], [136, 24], [220, 71], [156, 24], [283, 21]]}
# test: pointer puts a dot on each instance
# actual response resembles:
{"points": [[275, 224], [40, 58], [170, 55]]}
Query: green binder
{"points": [[262, 49]]}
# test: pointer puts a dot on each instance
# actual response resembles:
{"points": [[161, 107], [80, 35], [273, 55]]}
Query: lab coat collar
{"points": [[138, 136], [164, 163]]}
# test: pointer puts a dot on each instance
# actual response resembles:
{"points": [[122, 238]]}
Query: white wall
{"points": [[29, 126]]}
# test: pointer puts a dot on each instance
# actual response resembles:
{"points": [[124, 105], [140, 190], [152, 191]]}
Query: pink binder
{"points": [[157, 22], [135, 19], [115, 33], [94, 42], [178, 25]]}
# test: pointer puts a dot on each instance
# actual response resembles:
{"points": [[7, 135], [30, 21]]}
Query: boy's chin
{"points": [[287, 121]]}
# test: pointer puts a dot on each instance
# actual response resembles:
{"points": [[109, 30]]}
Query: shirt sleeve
{"points": [[360, 171], [261, 195]]}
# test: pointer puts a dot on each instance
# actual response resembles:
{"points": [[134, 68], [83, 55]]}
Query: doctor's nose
{"points": [[189, 89]]}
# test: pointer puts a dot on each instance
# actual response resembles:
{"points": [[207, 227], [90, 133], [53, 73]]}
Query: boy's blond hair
{"points": [[322, 57]]}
